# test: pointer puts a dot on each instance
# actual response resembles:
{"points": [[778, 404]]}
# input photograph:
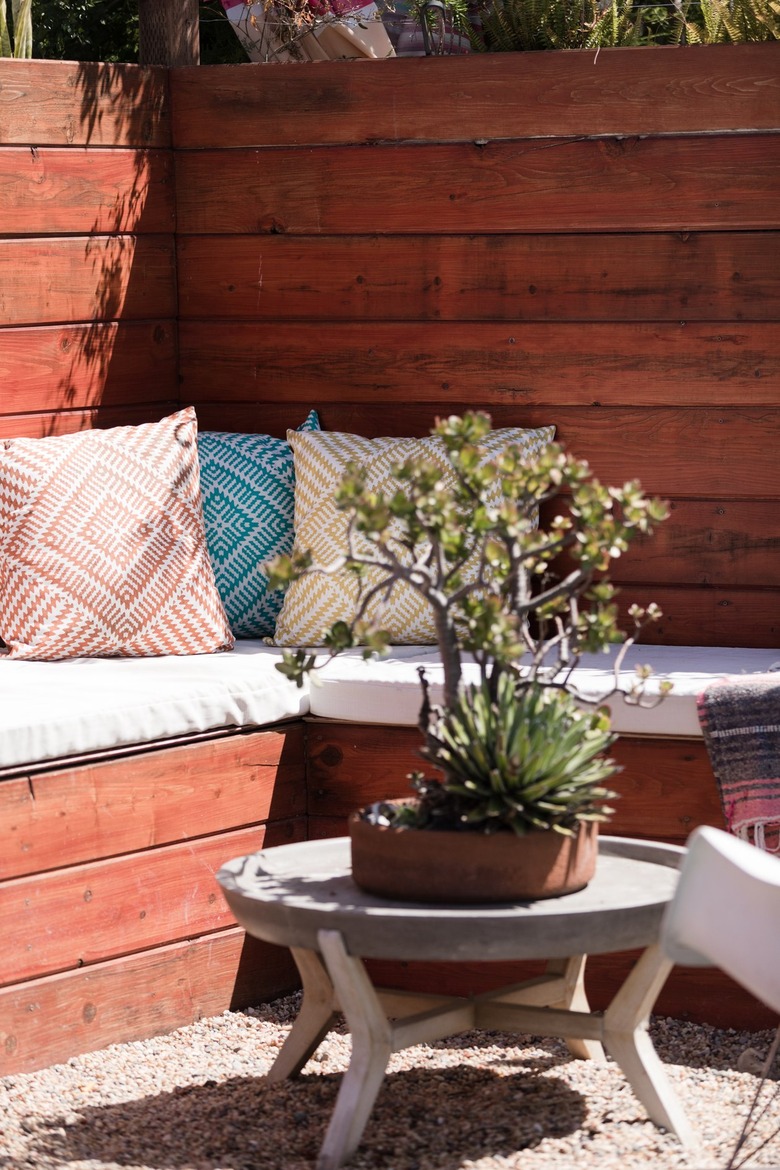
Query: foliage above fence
{"points": [[108, 30], [282, 29]]}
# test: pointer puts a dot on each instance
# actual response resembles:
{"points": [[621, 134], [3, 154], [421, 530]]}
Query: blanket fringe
{"points": [[754, 832]]}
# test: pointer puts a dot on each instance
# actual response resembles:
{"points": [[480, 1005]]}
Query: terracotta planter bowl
{"points": [[415, 865]]}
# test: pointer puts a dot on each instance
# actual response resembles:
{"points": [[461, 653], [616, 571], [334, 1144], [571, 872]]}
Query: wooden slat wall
{"points": [[73, 816], [87, 273], [47, 1020], [115, 928], [587, 240], [450, 99]]}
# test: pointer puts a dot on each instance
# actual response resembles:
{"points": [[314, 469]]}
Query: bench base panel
{"points": [[46, 1021]]}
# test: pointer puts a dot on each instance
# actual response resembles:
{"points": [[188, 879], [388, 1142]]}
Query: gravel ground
{"points": [[196, 1100]]}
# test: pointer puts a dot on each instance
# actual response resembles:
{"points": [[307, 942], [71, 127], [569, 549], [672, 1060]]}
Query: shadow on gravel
{"points": [[435, 1119]]}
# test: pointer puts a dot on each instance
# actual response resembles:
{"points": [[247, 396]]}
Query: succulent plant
{"points": [[525, 758]]}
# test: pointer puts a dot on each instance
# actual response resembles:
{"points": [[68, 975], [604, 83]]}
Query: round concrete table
{"points": [[302, 896]]}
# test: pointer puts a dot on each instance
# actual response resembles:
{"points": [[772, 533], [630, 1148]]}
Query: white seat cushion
{"points": [[60, 710], [388, 691], [50, 710]]}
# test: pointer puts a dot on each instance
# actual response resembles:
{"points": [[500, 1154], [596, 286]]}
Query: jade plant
{"points": [[517, 581]]}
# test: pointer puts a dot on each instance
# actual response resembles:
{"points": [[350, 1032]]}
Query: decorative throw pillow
{"points": [[247, 484], [102, 547], [314, 602]]}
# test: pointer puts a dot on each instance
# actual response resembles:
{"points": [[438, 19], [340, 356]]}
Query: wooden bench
{"points": [[587, 242]]}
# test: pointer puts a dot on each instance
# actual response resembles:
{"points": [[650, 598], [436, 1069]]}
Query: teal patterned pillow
{"points": [[248, 485]]}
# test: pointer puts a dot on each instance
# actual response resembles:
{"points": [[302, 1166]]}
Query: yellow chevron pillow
{"points": [[312, 604]]}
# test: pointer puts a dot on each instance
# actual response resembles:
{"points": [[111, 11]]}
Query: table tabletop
{"points": [[289, 893]]}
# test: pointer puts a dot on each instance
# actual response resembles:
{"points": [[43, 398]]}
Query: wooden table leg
{"points": [[372, 1045], [572, 971], [313, 1020], [627, 1041]]}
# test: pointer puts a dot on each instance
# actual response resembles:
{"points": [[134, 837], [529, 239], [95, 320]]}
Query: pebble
{"points": [[196, 1100]]}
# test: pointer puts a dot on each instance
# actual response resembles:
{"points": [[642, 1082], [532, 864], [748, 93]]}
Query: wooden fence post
{"points": [[168, 32]]}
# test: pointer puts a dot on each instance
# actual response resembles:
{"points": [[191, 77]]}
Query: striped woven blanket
{"points": [[740, 720]]}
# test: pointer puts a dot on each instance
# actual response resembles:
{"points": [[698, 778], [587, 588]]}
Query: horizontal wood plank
{"points": [[87, 913], [666, 786], [93, 811], [665, 789], [66, 422], [87, 278], [68, 103], [70, 367], [726, 454], [710, 617], [708, 182], [704, 542], [723, 454], [723, 276], [502, 95], [48, 1020], [636, 363], [52, 191], [258, 416]]}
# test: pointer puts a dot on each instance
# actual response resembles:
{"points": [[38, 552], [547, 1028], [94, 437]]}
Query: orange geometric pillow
{"points": [[102, 545]]}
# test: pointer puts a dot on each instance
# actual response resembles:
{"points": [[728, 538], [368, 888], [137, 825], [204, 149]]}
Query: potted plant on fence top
{"points": [[520, 761]]}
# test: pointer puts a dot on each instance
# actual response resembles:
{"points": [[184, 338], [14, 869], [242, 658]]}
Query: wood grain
{"points": [[666, 786], [665, 789], [67, 103], [152, 798], [70, 367], [87, 278], [522, 363], [706, 542], [726, 454], [48, 1020], [53, 191], [710, 617], [504, 95], [86, 913], [65, 422], [605, 277], [714, 182]]}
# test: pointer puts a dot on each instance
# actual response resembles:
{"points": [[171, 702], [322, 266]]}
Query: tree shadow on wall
{"points": [[92, 312]]}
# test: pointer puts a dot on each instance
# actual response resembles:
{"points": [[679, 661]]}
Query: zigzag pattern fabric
{"points": [[247, 484], [313, 603], [102, 547]]}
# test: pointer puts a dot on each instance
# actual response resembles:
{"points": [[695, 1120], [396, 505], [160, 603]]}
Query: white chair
{"points": [[726, 912]]}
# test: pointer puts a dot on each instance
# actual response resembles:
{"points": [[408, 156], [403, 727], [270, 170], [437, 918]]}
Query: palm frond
{"points": [[16, 38]]}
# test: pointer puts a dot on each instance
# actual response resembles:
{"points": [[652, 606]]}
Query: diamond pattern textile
{"points": [[313, 603], [247, 485], [102, 547]]}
